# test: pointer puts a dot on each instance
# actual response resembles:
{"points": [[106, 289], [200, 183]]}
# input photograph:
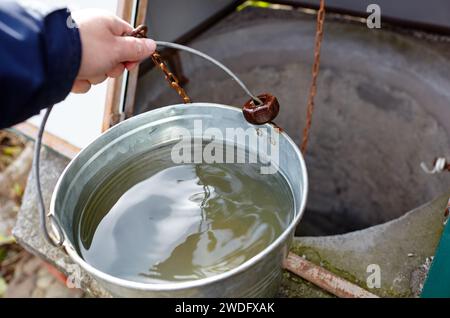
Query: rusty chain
{"points": [[170, 77], [315, 73], [141, 32]]}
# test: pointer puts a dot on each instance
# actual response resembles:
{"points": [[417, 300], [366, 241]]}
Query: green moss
{"points": [[314, 256], [3, 253], [391, 293], [296, 287]]}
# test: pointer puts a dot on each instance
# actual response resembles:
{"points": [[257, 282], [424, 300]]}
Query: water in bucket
{"points": [[153, 221]]}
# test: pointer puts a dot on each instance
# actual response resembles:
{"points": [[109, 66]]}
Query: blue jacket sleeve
{"points": [[40, 56]]}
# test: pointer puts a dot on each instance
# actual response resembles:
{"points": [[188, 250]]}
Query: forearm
{"points": [[40, 56]]}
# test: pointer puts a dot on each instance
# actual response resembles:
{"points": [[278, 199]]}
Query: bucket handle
{"points": [[215, 62], [57, 239]]}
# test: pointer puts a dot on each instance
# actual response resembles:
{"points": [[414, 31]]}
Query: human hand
{"points": [[106, 51]]}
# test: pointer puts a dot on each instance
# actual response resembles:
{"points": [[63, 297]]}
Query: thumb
{"points": [[132, 49]]}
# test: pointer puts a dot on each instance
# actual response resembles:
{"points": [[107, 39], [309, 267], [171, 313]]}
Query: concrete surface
{"points": [[400, 248]]}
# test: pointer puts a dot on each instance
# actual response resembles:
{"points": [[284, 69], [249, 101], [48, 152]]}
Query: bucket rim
{"points": [[175, 286]]}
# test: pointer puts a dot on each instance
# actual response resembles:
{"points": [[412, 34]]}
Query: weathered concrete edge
{"points": [[399, 247]]}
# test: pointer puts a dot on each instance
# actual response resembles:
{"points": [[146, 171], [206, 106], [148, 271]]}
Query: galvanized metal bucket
{"points": [[260, 276]]}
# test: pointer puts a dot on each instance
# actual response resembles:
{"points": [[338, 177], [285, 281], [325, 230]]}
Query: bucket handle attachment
{"points": [[258, 110]]}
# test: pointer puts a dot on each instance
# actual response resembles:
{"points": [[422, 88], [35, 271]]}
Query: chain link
{"points": [[315, 73], [141, 32], [170, 77]]}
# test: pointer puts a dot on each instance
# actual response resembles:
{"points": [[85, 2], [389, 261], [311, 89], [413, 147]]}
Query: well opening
{"points": [[382, 108]]}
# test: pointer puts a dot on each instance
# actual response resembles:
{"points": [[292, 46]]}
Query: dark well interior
{"points": [[382, 107]]}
